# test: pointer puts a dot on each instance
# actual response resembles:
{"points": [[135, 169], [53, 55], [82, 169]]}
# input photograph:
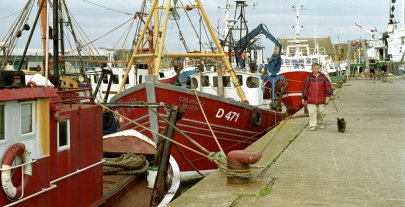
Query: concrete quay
{"points": [[365, 166]]}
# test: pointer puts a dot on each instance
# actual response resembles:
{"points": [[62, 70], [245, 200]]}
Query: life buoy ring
{"points": [[256, 117], [15, 192], [31, 84]]}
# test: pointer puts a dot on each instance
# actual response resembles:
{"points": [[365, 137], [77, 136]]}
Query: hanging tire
{"points": [[15, 192], [256, 117]]}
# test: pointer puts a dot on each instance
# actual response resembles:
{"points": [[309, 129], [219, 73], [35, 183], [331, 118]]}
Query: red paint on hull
{"points": [[292, 94], [230, 121]]}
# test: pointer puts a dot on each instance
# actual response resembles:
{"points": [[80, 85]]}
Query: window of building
{"points": [[27, 117], [402, 40], [2, 123], [63, 134]]}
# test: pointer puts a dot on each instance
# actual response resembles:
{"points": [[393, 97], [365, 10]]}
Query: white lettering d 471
{"points": [[230, 116]]}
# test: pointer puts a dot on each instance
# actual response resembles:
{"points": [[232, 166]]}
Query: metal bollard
{"points": [[241, 160]]}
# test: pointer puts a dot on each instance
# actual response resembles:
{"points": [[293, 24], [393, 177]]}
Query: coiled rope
{"points": [[126, 164]]}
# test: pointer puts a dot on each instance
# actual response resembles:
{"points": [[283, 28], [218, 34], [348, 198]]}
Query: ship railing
{"points": [[22, 175], [76, 96]]}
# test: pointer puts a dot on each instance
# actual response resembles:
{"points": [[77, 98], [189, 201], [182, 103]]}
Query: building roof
{"points": [[324, 44]]}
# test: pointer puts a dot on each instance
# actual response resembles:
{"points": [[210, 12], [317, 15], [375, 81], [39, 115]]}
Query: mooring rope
{"points": [[219, 158], [151, 131], [208, 123]]}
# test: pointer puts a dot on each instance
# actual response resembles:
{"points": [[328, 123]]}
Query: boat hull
{"points": [[231, 121], [293, 93]]}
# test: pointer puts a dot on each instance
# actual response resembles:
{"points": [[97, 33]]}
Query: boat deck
{"points": [[126, 190], [362, 167]]}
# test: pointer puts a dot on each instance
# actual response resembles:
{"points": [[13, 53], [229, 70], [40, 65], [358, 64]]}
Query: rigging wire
{"points": [[1, 18], [124, 35], [104, 7]]}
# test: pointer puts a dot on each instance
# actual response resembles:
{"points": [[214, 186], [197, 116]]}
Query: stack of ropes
{"points": [[126, 164]]}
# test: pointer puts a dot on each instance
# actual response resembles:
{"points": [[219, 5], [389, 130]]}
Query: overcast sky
{"points": [[321, 18]]}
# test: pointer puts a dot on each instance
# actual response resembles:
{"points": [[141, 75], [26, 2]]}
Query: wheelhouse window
{"points": [[314, 60], [226, 80], [287, 61], [63, 134], [27, 118], [205, 81], [215, 81], [126, 81], [95, 78], [252, 82], [2, 123], [105, 78], [301, 61], [240, 79], [115, 79], [140, 79], [193, 83]]}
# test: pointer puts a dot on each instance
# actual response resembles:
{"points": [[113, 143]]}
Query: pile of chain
{"points": [[126, 164]]}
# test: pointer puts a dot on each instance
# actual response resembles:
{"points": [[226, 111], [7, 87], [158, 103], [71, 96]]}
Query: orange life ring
{"points": [[31, 84], [15, 192]]}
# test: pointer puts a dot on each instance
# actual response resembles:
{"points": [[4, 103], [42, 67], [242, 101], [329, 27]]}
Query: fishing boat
{"points": [[47, 153], [217, 122], [51, 147], [297, 63], [51, 154]]}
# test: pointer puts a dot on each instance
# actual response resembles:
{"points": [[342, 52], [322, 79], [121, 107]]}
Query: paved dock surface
{"points": [[365, 166]]}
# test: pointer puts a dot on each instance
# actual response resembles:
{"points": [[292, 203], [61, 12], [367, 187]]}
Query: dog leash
{"points": [[335, 106]]}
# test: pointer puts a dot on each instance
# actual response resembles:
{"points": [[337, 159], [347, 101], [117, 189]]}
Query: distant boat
{"points": [[297, 63]]}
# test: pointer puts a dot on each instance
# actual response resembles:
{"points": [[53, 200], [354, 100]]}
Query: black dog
{"points": [[341, 123]]}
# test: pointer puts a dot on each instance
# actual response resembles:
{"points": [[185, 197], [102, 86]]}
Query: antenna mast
{"points": [[297, 8]]}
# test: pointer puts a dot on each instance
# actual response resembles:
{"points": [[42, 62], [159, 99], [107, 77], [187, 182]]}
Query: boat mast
{"points": [[158, 54], [55, 37], [44, 24], [297, 7]]}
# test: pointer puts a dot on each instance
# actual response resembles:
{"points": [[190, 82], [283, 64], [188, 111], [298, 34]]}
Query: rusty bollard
{"points": [[239, 161]]}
